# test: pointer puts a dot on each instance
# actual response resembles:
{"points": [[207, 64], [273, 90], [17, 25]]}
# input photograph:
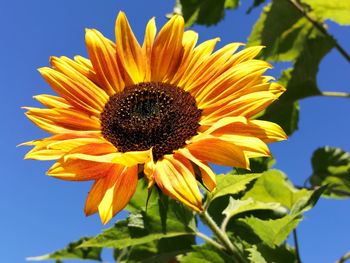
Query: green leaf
{"points": [[286, 114], [289, 36], [255, 4], [272, 232], [337, 11], [262, 253], [206, 12], [282, 30], [331, 166], [230, 184], [206, 254], [255, 256], [274, 186], [159, 251], [73, 251], [163, 218], [257, 165], [236, 207]]}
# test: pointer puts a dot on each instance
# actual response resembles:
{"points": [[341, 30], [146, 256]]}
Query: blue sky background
{"points": [[41, 214]]}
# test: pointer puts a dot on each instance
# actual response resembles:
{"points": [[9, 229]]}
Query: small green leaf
{"points": [[272, 232], [255, 256], [206, 12], [158, 251], [73, 251], [230, 184], [331, 166], [206, 254], [337, 11], [282, 253], [236, 207]]}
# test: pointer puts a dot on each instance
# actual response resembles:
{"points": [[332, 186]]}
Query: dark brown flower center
{"points": [[150, 114]]}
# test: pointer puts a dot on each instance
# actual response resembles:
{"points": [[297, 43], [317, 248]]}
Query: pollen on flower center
{"points": [[150, 114]]}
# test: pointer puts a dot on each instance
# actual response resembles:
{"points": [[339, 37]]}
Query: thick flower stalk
{"points": [[168, 106]]}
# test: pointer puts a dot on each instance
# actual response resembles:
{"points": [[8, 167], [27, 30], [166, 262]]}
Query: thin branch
{"points": [[344, 258], [222, 236], [320, 27], [335, 94], [297, 252], [210, 240]]}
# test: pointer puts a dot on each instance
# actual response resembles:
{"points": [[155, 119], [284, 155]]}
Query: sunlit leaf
{"points": [[230, 184], [73, 251], [206, 12], [331, 166], [236, 207], [274, 186], [272, 232], [337, 11]]}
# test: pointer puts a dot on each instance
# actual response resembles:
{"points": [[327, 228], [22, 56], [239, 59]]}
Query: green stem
{"points": [[210, 240], [320, 28], [296, 243], [344, 258], [222, 237], [335, 94]]}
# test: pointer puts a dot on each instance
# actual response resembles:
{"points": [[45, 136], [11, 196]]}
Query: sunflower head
{"points": [[168, 106]]}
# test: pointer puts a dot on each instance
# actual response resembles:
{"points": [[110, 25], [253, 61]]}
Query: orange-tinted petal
{"points": [[175, 177], [74, 92], [217, 151], [103, 57], [208, 176], [119, 187], [58, 120], [167, 50], [129, 50]]}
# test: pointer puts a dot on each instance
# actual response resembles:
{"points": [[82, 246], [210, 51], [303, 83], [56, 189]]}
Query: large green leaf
{"points": [[158, 251], [331, 167], [230, 184], [272, 232], [282, 30], [205, 12], [163, 218], [73, 251], [337, 11], [288, 36], [274, 186], [206, 254]]}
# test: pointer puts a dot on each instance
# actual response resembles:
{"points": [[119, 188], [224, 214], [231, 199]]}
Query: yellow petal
{"points": [[147, 45], [208, 176], [64, 65], [51, 101]]}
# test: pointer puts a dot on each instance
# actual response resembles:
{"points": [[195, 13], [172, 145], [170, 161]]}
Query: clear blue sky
{"points": [[40, 214]]}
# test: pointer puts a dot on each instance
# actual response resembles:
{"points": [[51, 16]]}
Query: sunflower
{"points": [[165, 109]]}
